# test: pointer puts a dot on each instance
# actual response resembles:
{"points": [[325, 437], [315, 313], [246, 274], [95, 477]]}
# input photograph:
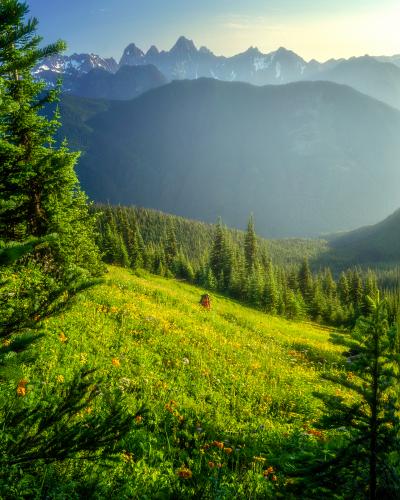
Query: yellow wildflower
{"points": [[127, 457], [116, 362], [60, 378]]}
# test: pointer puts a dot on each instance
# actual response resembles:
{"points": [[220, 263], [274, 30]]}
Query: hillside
{"points": [[128, 82], [227, 393], [194, 237], [378, 243], [305, 158], [380, 80]]}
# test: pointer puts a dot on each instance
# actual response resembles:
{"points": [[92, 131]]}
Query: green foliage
{"points": [[238, 264], [365, 462], [250, 245], [231, 377], [47, 255]]}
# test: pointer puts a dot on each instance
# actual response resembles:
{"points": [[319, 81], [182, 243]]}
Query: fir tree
{"points": [[271, 295], [344, 289], [250, 245], [221, 257], [357, 290], [48, 236], [306, 282], [365, 463], [40, 190], [170, 247]]}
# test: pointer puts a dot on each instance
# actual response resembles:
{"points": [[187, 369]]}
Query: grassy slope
{"points": [[234, 374]]}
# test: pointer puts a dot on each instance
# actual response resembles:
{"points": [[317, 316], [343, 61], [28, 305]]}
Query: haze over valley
{"points": [[310, 148]]}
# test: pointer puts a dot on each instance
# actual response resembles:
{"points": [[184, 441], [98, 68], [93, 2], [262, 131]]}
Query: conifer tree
{"points": [[46, 238], [271, 295], [250, 245], [39, 188], [366, 461], [135, 249], [237, 277], [357, 290], [170, 247], [328, 284], [306, 282], [221, 257], [344, 289]]}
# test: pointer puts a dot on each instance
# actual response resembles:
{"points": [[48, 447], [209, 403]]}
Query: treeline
{"points": [[195, 236], [236, 263]]}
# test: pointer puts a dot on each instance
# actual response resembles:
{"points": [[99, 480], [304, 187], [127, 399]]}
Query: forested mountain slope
{"points": [[375, 243], [305, 158]]}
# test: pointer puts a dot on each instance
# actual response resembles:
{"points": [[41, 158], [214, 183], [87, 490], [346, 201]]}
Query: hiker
{"points": [[205, 301]]}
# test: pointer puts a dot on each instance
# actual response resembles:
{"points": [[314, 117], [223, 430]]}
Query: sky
{"points": [[319, 29]]}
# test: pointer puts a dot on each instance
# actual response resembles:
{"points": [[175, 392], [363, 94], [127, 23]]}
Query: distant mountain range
{"points": [[306, 158], [378, 77]]}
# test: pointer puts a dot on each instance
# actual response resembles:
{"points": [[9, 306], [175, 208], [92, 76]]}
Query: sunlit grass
{"points": [[228, 393]]}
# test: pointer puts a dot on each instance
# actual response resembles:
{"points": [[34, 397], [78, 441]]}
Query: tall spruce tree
{"points": [[46, 238], [170, 247], [365, 459], [221, 257], [250, 245], [306, 282], [40, 192]]}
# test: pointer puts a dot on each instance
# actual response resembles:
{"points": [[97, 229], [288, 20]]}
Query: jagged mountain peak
{"points": [[133, 51], [252, 51], [183, 44], [153, 51]]}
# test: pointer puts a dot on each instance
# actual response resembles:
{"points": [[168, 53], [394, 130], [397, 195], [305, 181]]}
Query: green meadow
{"points": [[223, 401]]}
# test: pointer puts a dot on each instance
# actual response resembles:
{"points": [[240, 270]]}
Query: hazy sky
{"points": [[318, 29]]}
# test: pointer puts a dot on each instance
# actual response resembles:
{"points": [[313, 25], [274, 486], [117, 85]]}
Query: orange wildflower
{"points": [[211, 465], [269, 471], [316, 433], [21, 388], [218, 444], [184, 473], [116, 362], [138, 419], [228, 451], [62, 337]]}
